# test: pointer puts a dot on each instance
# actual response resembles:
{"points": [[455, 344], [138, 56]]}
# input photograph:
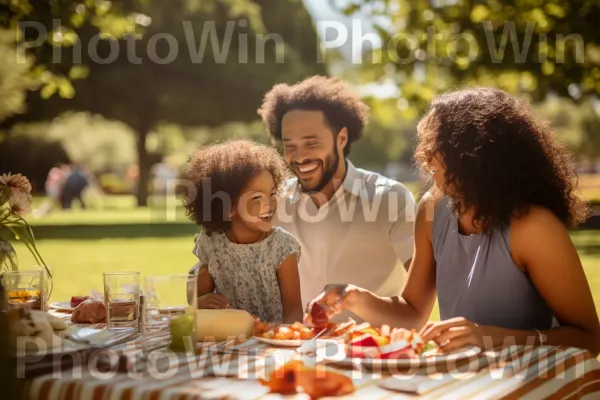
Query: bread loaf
{"points": [[221, 325], [89, 311]]}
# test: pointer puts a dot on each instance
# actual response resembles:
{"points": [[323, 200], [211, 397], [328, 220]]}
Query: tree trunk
{"points": [[144, 165]]}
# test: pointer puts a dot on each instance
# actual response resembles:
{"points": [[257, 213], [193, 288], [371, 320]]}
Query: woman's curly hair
{"points": [[341, 106], [499, 158], [220, 173]]}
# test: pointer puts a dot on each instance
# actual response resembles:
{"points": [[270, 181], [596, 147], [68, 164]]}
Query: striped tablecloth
{"points": [[522, 372]]}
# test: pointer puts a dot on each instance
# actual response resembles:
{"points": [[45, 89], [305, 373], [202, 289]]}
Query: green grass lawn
{"points": [[120, 237], [108, 210], [79, 264]]}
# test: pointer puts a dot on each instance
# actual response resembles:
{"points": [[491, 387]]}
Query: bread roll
{"points": [[221, 325], [90, 311], [30, 331], [56, 323]]}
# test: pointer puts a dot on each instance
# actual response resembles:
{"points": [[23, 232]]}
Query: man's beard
{"points": [[330, 166]]}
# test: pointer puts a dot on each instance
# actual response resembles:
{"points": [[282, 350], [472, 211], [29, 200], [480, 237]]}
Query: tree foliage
{"points": [[145, 65], [528, 46]]}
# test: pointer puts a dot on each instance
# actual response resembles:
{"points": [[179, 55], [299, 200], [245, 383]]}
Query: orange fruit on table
{"points": [[306, 334], [286, 332], [269, 335], [297, 326]]}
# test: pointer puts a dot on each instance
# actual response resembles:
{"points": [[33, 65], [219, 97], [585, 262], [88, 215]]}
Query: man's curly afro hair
{"points": [[220, 173], [341, 106]]}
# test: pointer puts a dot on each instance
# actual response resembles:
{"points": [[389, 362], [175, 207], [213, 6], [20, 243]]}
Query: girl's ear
{"points": [[231, 212]]}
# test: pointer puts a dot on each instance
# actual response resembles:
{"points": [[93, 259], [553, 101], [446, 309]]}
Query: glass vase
{"points": [[8, 257]]}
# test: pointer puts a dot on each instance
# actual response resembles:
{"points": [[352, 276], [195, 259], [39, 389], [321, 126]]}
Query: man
{"points": [[354, 226]]}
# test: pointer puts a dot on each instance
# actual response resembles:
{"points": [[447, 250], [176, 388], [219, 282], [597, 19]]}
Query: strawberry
{"points": [[319, 316], [76, 300]]}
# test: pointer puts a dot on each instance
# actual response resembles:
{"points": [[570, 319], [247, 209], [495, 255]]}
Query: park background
{"points": [[122, 89]]}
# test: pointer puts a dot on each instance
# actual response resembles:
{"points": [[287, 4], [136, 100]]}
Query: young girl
{"points": [[244, 261]]}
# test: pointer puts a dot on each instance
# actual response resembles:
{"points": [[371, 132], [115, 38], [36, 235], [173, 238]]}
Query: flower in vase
{"points": [[17, 183], [15, 203], [19, 203]]}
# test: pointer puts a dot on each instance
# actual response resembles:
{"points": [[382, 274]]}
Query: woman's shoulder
{"points": [[433, 206], [537, 221]]}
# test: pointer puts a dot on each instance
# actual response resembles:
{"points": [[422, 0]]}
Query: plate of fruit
{"points": [[285, 335], [298, 334], [395, 347]]}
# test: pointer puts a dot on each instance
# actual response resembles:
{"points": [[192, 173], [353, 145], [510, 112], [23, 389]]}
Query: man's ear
{"points": [[342, 138]]}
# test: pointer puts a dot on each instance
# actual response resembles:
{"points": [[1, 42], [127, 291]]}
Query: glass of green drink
{"points": [[171, 301]]}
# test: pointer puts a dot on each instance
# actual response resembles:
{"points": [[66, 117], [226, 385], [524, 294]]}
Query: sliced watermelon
{"points": [[394, 346], [363, 352], [365, 340]]}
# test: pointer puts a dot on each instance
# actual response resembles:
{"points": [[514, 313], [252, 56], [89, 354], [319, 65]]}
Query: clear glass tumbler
{"points": [[25, 289], [122, 300], [171, 300]]}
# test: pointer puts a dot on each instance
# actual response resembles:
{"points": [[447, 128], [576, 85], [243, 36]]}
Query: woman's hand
{"points": [[213, 300], [334, 298], [455, 333]]}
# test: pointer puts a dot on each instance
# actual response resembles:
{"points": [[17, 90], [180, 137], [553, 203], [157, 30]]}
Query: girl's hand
{"points": [[213, 300], [455, 333]]}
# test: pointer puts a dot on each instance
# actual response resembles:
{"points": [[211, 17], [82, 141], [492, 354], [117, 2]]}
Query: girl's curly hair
{"points": [[220, 173], [499, 158]]}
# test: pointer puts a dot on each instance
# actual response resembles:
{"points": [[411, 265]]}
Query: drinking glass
{"points": [[122, 300], [25, 289], [171, 300]]}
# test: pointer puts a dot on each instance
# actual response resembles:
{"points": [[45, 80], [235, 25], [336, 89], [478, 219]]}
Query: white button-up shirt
{"points": [[362, 236]]}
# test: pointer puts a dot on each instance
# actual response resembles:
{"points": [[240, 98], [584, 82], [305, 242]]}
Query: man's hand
{"points": [[213, 300]]}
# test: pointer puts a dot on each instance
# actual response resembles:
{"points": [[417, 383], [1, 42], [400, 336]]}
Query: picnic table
{"points": [[215, 372]]}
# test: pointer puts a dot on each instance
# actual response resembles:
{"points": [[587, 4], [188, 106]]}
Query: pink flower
{"points": [[16, 183], [20, 203]]}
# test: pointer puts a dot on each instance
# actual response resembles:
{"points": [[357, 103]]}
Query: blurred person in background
{"points": [[163, 172], [131, 177], [75, 183], [53, 186]]}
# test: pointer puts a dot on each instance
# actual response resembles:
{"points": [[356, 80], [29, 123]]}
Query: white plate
{"points": [[62, 306], [374, 363], [84, 338], [281, 343]]}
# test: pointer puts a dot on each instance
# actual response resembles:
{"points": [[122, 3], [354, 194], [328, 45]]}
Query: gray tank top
{"points": [[477, 278]]}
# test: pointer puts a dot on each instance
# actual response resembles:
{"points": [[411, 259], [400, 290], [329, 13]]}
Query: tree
{"points": [[14, 79], [188, 62], [531, 47], [34, 31]]}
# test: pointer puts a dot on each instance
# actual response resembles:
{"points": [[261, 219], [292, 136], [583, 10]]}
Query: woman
{"points": [[491, 237]]}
